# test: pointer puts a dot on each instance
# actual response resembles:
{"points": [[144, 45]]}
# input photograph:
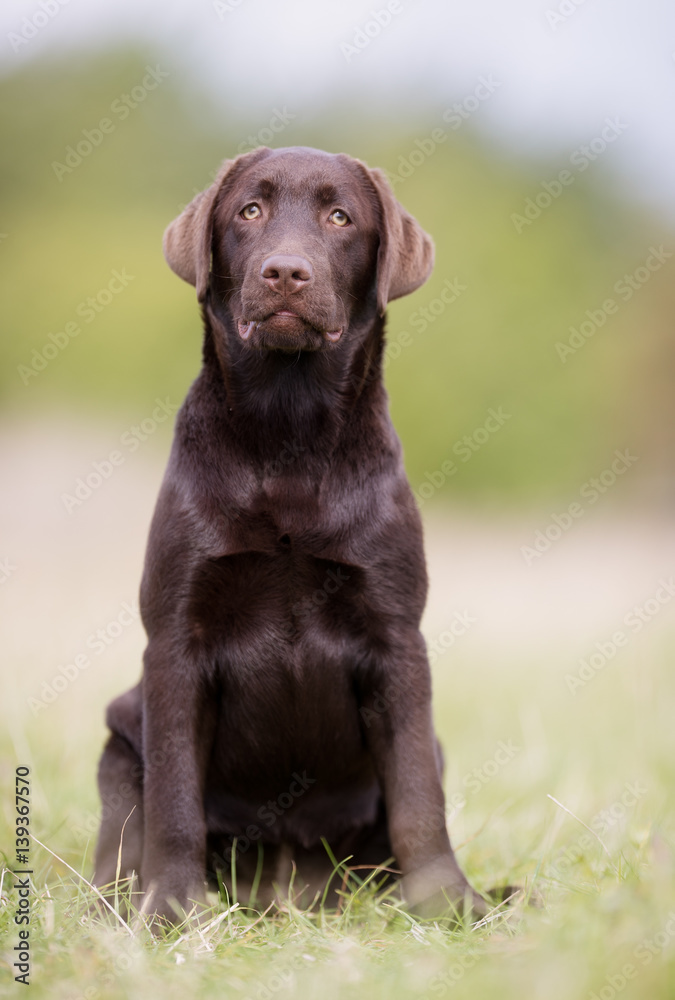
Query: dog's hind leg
{"points": [[121, 812], [120, 782]]}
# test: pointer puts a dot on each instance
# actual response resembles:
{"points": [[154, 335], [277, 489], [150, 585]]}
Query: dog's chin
{"points": [[286, 332]]}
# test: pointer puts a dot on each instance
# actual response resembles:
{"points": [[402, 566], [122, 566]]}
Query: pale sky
{"points": [[562, 67]]}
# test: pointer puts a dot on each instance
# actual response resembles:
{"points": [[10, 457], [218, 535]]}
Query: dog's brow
{"points": [[326, 194], [267, 188]]}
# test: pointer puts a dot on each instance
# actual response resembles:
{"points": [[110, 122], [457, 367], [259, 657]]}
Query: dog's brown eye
{"points": [[339, 218], [251, 211]]}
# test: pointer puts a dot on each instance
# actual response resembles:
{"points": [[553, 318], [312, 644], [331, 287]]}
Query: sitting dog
{"points": [[285, 702]]}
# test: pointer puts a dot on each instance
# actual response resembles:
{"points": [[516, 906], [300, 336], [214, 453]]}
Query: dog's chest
{"points": [[265, 608], [283, 634]]}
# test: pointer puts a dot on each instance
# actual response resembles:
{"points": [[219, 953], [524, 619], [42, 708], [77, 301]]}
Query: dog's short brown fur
{"points": [[286, 694]]}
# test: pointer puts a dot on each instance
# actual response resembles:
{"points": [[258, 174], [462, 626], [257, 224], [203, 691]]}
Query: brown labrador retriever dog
{"points": [[285, 703]]}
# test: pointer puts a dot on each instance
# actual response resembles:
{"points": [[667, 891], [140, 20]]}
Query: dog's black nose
{"points": [[285, 273]]}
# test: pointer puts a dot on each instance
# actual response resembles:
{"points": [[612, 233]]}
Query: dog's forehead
{"points": [[301, 171]]}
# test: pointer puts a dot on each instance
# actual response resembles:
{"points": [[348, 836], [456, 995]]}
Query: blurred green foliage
{"points": [[493, 347]]}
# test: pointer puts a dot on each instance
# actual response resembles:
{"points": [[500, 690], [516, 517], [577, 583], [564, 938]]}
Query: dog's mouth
{"points": [[286, 331]]}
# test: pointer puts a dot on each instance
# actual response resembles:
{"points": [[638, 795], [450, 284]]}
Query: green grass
{"points": [[607, 912]]}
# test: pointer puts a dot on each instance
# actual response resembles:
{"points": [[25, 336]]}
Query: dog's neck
{"points": [[275, 401]]}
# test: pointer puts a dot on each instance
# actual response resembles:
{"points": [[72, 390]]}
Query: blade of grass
{"points": [[83, 879], [258, 874], [118, 868], [570, 813], [233, 870], [336, 867]]}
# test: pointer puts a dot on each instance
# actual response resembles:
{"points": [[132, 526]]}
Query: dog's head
{"points": [[298, 245]]}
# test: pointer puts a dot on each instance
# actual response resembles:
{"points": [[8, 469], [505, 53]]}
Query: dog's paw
{"points": [[438, 889], [167, 906]]}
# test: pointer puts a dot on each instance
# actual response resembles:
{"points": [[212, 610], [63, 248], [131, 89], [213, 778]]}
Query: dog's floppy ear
{"points": [[405, 258], [187, 241]]}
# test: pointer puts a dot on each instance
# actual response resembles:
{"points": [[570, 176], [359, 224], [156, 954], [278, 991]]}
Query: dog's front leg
{"points": [[396, 709], [178, 721]]}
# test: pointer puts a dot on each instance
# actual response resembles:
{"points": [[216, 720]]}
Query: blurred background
{"points": [[534, 141], [473, 109]]}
